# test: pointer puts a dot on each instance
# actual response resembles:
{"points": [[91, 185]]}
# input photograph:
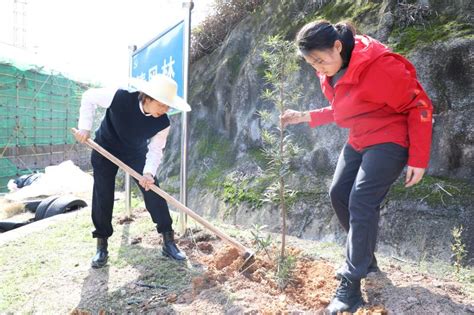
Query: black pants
{"points": [[361, 182], [103, 195]]}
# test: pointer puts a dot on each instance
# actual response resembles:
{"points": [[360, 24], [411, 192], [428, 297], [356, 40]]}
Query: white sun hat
{"points": [[163, 89]]}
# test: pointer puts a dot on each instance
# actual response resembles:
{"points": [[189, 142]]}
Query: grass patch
{"points": [[333, 11], [442, 28], [219, 156], [40, 255], [213, 178], [236, 193], [39, 268], [214, 146], [435, 191]]}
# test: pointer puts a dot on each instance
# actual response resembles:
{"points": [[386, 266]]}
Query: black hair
{"points": [[142, 97], [321, 35]]}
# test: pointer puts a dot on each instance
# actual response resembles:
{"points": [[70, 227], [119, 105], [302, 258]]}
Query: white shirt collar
{"points": [[131, 90], [141, 108]]}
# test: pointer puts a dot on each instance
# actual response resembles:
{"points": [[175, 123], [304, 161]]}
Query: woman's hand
{"points": [[292, 117], [414, 175], [82, 135], [146, 181]]}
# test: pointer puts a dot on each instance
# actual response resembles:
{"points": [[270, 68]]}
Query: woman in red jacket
{"points": [[375, 93]]}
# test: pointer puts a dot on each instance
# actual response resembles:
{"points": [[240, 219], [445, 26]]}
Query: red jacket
{"points": [[380, 100]]}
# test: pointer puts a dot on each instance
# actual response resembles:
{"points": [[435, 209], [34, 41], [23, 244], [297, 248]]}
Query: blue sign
{"points": [[163, 54]]}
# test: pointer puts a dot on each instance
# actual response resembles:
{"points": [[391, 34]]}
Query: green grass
{"points": [[333, 11], [236, 193], [217, 150], [213, 178], [31, 266], [36, 256], [435, 191], [340, 10], [214, 146], [35, 267], [439, 29], [402, 39]]}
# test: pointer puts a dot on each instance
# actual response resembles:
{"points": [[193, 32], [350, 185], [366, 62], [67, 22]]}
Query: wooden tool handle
{"points": [[165, 195]]}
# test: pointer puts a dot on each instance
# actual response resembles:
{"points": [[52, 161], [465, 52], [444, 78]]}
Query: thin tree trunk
{"points": [[282, 180], [283, 217]]}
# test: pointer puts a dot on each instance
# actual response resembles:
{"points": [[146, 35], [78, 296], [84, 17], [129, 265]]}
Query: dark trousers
{"points": [[361, 182], [103, 195]]}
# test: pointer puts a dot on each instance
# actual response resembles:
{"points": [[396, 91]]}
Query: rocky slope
{"points": [[226, 167]]}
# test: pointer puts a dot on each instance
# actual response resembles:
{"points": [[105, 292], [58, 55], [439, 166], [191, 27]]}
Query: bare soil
{"points": [[221, 286]]}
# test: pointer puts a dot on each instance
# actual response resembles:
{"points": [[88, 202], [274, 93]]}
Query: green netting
{"points": [[8, 171], [37, 109], [7, 168]]}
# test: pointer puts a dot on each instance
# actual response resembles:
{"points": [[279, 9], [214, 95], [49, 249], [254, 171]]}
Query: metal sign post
{"points": [[128, 196], [188, 6]]}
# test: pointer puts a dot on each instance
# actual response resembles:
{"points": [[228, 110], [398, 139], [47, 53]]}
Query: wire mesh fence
{"points": [[37, 110]]}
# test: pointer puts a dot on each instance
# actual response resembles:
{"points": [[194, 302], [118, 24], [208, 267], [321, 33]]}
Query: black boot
{"points": [[100, 258], [169, 247], [348, 297]]}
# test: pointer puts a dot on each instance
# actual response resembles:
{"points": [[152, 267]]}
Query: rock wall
{"points": [[227, 170]]}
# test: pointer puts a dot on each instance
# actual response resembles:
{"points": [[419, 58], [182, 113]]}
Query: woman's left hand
{"points": [[291, 117], [146, 181], [414, 175]]}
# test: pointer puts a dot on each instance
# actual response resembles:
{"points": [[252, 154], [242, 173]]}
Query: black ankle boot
{"points": [[100, 258], [169, 247], [348, 297]]}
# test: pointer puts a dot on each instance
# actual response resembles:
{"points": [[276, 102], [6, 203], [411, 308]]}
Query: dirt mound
{"points": [[225, 257], [314, 284], [312, 287]]}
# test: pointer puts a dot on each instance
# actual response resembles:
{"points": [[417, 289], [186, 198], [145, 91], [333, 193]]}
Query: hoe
{"points": [[247, 254]]}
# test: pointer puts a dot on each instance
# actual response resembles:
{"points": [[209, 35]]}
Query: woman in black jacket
{"points": [[134, 129]]}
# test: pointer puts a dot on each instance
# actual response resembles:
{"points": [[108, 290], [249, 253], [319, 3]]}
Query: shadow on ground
{"points": [[409, 298]]}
